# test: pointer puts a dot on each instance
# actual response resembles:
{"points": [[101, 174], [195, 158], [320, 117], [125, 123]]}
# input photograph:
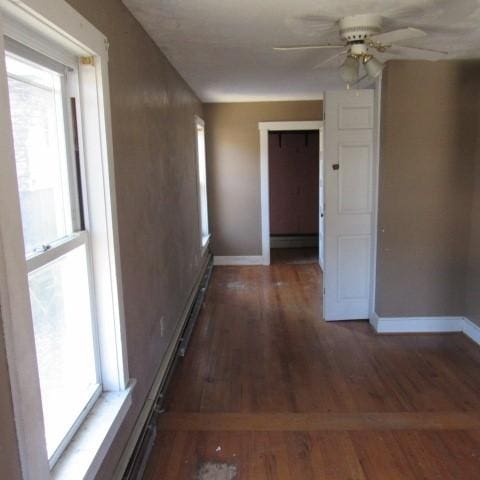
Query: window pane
{"points": [[40, 152], [60, 299], [202, 180]]}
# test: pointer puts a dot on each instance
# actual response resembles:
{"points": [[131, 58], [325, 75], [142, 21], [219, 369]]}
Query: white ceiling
{"points": [[223, 48]]}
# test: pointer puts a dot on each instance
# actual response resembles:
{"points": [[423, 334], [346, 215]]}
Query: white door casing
{"points": [[349, 203], [264, 128], [321, 204]]}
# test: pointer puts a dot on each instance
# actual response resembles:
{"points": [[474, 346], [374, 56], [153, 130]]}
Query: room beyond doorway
{"points": [[292, 207], [293, 189], [294, 256]]}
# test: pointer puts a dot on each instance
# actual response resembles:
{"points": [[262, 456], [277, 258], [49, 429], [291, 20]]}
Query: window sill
{"points": [[84, 455]]}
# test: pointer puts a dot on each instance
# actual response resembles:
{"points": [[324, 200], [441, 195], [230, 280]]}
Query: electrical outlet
{"points": [[162, 326]]}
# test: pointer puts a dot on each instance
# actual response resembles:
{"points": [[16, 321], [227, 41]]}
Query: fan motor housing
{"points": [[356, 28]]}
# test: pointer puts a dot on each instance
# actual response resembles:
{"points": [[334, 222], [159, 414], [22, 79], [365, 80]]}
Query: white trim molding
{"points": [[426, 325], [471, 330], [239, 260], [416, 324], [264, 128], [377, 127]]}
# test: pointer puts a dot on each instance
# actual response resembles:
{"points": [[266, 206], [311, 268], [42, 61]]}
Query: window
{"points": [[61, 295], [202, 179], [56, 242]]}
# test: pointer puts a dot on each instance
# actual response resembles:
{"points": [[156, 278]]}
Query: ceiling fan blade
{"points": [[395, 36], [418, 52], [309, 47], [330, 59]]}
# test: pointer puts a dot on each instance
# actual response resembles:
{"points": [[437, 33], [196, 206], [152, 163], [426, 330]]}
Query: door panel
{"points": [[348, 203], [355, 117], [353, 257], [355, 178]]}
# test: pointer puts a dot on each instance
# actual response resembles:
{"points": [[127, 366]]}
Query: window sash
{"points": [[56, 250], [68, 89], [62, 246]]}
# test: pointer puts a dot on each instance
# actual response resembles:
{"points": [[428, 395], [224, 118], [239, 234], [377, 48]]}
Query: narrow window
{"points": [[202, 179], [56, 242]]}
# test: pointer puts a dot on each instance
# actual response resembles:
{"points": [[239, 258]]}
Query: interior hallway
{"points": [[268, 390]]}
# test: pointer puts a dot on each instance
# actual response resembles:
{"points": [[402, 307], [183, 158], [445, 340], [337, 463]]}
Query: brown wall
{"points": [[472, 310], [233, 168], [9, 455], [154, 146], [429, 128]]}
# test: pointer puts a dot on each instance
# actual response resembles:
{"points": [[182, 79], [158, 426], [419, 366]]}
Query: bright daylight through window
{"points": [[202, 179], [56, 242]]}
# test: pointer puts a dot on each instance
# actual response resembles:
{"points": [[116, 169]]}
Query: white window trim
{"points": [[204, 239], [43, 24]]}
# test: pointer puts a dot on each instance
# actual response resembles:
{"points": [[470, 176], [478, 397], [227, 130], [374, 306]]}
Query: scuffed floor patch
{"points": [[237, 285], [216, 471]]}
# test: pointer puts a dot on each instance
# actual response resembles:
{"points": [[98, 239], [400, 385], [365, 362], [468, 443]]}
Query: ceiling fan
{"points": [[362, 34]]}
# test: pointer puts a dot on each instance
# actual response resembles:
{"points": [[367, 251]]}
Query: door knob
{"points": [[336, 166]]}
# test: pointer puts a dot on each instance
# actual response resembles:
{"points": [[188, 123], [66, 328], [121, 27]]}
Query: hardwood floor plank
{"points": [[334, 457], [380, 456], [313, 422]]}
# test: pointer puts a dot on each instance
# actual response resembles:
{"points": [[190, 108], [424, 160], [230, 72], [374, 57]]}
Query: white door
{"points": [[349, 118]]}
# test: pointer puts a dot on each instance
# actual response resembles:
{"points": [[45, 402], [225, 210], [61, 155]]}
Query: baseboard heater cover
{"points": [[146, 440], [197, 306]]}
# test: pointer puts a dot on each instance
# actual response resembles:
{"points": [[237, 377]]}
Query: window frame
{"points": [[202, 193], [54, 29]]}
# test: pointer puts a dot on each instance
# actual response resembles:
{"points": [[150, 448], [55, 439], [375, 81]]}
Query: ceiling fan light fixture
{"points": [[349, 69], [373, 67]]}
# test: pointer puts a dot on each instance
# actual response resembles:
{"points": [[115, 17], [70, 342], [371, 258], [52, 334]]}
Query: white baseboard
{"points": [[238, 260], [417, 324], [425, 325], [471, 330], [293, 241]]}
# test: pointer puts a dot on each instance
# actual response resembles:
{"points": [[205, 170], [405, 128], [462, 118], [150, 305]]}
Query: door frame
{"points": [[265, 128]]}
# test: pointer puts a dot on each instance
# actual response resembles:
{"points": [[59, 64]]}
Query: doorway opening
{"points": [[292, 192], [293, 166]]}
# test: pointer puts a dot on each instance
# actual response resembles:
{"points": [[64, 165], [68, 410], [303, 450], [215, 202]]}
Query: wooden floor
{"points": [[268, 390]]}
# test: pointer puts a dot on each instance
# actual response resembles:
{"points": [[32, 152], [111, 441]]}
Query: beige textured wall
{"points": [[155, 173], [472, 310], [429, 129], [233, 168]]}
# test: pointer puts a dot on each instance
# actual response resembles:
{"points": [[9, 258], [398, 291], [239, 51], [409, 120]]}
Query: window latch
{"points": [[43, 248]]}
